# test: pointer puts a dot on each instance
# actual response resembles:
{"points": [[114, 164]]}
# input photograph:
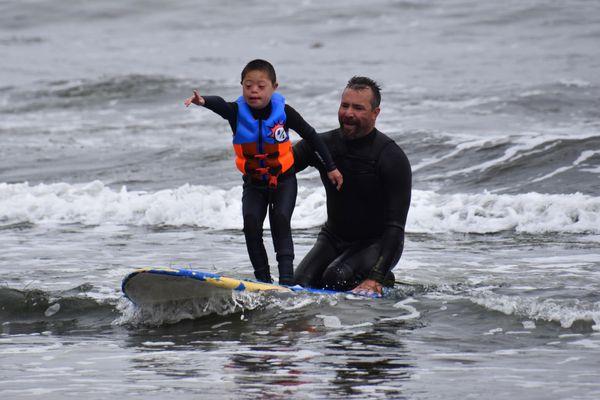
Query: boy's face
{"points": [[257, 89]]}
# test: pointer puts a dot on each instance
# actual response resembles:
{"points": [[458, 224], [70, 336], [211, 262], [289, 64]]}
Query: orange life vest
{"points": [[263, 148]]}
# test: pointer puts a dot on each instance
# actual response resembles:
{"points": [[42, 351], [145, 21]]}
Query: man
{"points": [[363, 236]]}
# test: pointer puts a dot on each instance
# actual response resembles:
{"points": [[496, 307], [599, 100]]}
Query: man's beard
{"points": [[353, 130]]}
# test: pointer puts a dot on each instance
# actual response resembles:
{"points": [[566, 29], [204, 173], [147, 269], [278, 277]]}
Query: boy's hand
{"points": [[336, 178], [196, 99]]}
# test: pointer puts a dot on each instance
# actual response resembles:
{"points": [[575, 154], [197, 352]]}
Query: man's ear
{"points": [[276, 85], [376, 111]]}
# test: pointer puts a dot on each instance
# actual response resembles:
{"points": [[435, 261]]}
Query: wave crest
{"points": [[209, 207], [565, 312]]}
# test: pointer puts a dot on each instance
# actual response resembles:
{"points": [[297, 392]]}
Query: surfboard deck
{"points": [[161, 285]]}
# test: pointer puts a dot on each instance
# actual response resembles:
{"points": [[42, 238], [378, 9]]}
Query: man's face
{"points": [[257, 89], [357, 118]]}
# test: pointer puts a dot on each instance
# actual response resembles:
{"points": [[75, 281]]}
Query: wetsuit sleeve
{"points": [[396, 175], [295, 121], [227, 110], [304, 156]]}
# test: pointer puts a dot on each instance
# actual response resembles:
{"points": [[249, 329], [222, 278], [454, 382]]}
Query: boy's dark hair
{"points": [[362, 82], [260, 65]]}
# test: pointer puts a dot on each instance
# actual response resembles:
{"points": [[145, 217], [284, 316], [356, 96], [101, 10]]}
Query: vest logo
{"points": [[278, 132]]}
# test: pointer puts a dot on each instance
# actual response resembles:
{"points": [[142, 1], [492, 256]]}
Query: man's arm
{"points": [[304, 156], [396, 176], [392, 243]]}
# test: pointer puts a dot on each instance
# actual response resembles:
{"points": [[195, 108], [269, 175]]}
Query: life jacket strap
{"points": [[261, 171], [268, 174], [272, 181]]}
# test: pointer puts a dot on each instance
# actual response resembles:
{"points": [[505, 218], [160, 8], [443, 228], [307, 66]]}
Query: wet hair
{"points": [[361, 83], [260, 65]]}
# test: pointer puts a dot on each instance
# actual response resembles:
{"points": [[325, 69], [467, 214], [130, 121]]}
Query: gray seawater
{"points": [[102, 170]]}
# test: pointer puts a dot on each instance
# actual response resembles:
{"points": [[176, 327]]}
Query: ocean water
{"points": [[103, 170]]}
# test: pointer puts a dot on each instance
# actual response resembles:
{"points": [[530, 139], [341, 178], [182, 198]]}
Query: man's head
{"points": [[359, 107], [258, 83]]}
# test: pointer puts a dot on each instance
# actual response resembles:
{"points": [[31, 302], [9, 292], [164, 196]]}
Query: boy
{"points": [[260, 120]]}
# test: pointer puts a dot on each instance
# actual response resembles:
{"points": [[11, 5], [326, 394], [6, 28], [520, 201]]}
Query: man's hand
{"points": [[196, 99], [336, 178], [368, 287]]}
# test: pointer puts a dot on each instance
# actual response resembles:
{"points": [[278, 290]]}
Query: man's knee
{"points": [[390, 279], [308, 272], [305, 275], [339, 277]]}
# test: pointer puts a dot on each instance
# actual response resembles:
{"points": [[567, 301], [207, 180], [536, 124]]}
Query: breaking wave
{"points": [[566, 312], [94, 204]]}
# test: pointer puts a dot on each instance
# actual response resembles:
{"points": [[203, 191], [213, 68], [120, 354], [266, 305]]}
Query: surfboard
{"points": [[161, 285]]}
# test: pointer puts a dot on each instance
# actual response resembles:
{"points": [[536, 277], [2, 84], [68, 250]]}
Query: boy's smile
{"points": [[257, 89]]}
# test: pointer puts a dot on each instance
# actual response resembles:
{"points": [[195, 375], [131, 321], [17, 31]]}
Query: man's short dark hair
{"points": [[361, 83], [260, 65]]}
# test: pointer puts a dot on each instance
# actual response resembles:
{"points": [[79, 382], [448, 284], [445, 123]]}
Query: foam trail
{"points": [[491, 213], [517, 148], [584, 156], [565, 312], [95, 204]]}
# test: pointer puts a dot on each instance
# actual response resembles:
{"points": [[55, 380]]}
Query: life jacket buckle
{"points": [[260, 156]]}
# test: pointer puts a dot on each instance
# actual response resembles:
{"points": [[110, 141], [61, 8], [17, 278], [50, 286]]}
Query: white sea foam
{"points": [[451, 104], [95, 204], [333, 322], [580, 83], [583, 157], [489, 213], [175, 311], [518, 146], [405, 305], [565, 312]]}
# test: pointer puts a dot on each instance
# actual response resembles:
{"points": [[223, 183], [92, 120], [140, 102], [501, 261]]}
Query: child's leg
{"points": [[283, 200], [255, 201]]}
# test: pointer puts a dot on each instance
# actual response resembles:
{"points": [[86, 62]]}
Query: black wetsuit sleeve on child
{"points": [[310, 136], [304, 156], [227, 110]]}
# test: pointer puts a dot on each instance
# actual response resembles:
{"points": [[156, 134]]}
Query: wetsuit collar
{"points": [[368, 138], [262, 113]]}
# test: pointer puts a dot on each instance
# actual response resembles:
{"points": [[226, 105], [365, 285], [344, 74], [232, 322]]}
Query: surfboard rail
{"points": [[152, 285]]}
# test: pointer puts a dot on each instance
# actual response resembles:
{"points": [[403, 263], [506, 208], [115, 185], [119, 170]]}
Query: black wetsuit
{"points": [[257, 196], [363, 237]]}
